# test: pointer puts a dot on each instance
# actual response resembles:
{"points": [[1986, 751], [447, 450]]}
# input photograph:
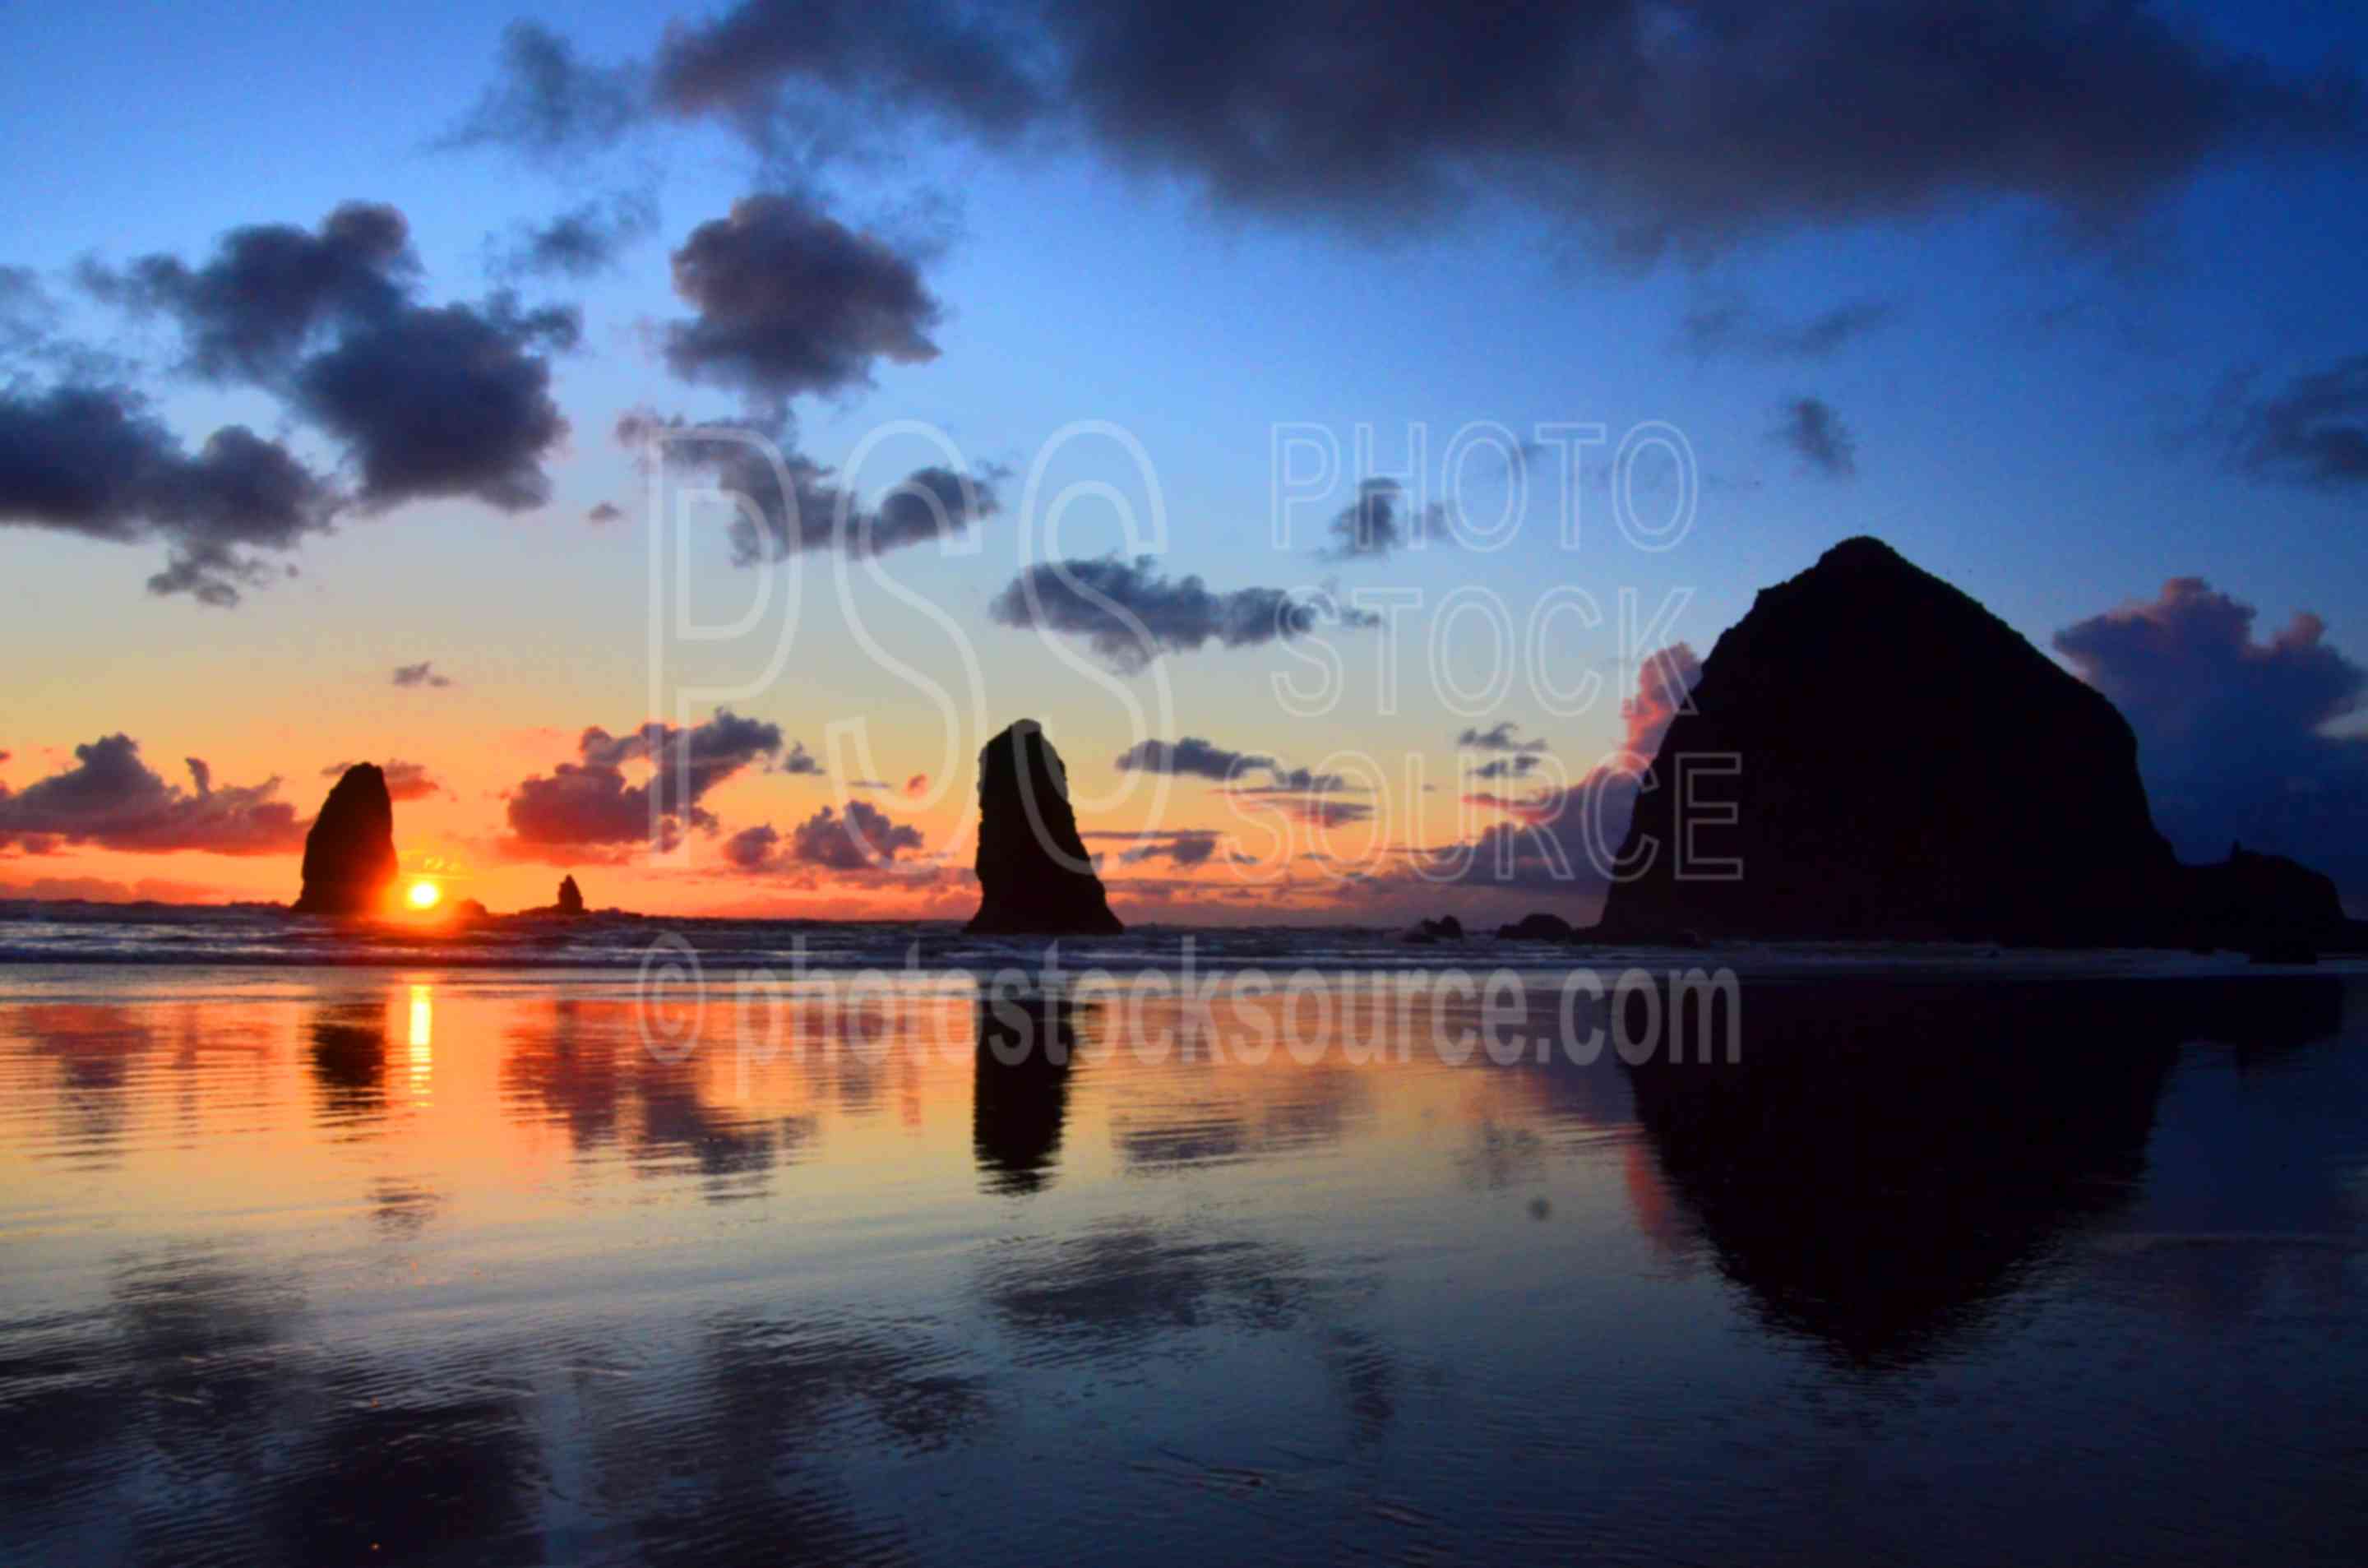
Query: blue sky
{"points": [[2039, 415]]}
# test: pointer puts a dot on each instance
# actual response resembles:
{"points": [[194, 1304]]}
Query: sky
{"points": [[1280, 403]]}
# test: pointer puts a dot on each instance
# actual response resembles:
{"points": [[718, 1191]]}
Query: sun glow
{"points": [[425, 895]]}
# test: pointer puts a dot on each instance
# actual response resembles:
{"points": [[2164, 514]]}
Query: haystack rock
{"points": [[350, 863], [1901, 765], [571, 897], [1034, 877]]}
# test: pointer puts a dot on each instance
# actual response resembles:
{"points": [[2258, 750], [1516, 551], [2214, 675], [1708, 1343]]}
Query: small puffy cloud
{"points": [[592, 803], [604, 512], [862, 838], [421, 673], [1186, 848], [798, 507], [111, 798], [1190, 756], [789, 301], [798, 760], [1130, 614], [1380, 522], [1812, 431], [1499, 736], [1520, 765]]}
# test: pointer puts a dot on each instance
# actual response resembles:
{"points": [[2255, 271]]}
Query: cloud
{"points": [[90, 460], [1191, 755], [248, 313], [863, 838], [2233, 736], [917, 786], [1377, 523], [427, 401], [1498, 737], [445, 401], [582, 242], [548, 104], [799, 508], [1562, 840], [2314, 433], [421, 673], [1810, 427], [1129, 614], [603, 512], [590, 803], [111, 798], [1651, 126], [404, 781], [1743, 331], [798, 760], [1187, 847], [1520, 765], [790, 300]]}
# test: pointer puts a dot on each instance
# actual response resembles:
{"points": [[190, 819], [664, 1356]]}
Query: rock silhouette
{"points": [[1034, 877], [1539, 926], [349, 861], [1902, 765], [571, 897]]}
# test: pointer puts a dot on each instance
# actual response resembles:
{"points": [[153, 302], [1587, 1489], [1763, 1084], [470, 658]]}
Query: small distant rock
{"points": [[571, 897], [1446, 928], [1034, 876], [350, 863], [1538, 927]]}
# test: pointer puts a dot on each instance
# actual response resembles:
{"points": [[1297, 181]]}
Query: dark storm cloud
{"points": [[1191, 755], [111, 798], [426, 401], [2314, 432], [591, 803], [444, 401], [1654, 125], [1379, 522], [2232, 732], [1811, 428], [797, 507], [1498, 737], [90, 460], [790, 300], [1743, 329], [1130, 614], [270, 288], [582, 241], [404, 781], [421, 673], [547, 103], [863, 838]]}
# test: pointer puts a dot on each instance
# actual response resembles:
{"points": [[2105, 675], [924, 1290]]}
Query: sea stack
{"points": [[571, 897], [349, 861], [1034, 877], [1901, 764]]}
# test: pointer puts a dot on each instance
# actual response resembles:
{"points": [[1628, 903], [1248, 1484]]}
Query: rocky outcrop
{"points": [[1538, 927], [349, 864], [571, 897], [1034, 877], [1446, 928], [1892, 761]]}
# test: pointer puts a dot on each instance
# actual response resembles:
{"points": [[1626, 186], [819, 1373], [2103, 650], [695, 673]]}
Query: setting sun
{"points": [[424, 894]]}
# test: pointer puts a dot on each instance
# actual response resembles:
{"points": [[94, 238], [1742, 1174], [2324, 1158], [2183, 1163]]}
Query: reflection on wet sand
{"points": [[1889, 1161], [392, 1268], [1019, 1088]]}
